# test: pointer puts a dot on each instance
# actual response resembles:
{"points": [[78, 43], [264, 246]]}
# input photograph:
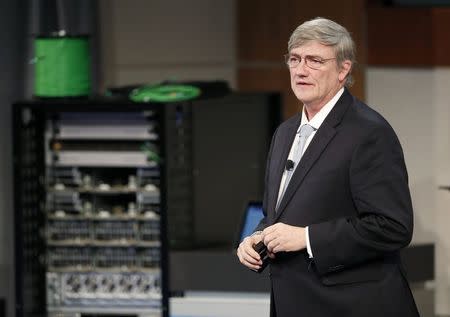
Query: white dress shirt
{"points": [[315, 122]]}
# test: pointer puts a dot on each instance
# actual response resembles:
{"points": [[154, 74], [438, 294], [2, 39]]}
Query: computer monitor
{"points": [[253, 213]]}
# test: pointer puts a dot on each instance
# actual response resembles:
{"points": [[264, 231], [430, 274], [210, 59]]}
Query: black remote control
{"points": [[262, 251]]}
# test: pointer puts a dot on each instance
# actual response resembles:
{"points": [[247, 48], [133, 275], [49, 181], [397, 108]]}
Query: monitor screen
{"points": [[252, 216]]}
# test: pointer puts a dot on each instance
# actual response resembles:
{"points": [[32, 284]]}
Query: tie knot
{"points": [[306, 130]]}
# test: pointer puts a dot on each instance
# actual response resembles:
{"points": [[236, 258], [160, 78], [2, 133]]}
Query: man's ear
{"points": [[346, 67]]}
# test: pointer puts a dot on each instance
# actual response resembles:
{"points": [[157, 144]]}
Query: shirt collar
{"points": [[319, 118]]}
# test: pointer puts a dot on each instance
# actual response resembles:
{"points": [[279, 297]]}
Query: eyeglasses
{"points": [[314, 62]]}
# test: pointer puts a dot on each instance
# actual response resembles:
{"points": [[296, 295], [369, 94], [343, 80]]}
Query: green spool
{"points": [[62, 66], [164, 93]]}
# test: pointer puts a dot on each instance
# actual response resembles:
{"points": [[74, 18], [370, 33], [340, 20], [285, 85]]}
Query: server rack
{"points": [[212, 160], [90, 209]]}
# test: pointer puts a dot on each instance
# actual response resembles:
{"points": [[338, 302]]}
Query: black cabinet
{"points": [[90, 208]]}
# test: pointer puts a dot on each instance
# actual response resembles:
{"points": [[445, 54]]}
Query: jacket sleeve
{"points": [[383, 223]]}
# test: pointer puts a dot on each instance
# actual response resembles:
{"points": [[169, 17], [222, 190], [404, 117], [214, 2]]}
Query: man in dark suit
{"points": [[337, 204]]}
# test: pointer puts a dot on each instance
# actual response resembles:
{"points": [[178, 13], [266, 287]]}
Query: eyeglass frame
{"points": [[307, 58]]}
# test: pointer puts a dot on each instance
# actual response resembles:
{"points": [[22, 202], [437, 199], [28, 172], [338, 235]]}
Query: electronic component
{"points": [[72, 289], [102, 204]]}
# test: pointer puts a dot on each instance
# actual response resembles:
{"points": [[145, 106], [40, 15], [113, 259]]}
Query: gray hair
{"points": [[328, 33]]}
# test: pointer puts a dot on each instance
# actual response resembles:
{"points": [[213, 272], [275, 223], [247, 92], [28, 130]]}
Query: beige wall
{"points": [[411, 110], [416, 103], [151, 41]]}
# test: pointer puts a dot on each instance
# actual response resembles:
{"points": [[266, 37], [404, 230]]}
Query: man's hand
{"points": [[247, 255], [282, 237]]}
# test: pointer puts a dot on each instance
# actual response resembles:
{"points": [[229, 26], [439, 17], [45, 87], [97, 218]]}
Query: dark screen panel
{"points": [[231, 138]]}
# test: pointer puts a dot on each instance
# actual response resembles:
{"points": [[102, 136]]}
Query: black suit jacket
{"points": [[351, 189]]}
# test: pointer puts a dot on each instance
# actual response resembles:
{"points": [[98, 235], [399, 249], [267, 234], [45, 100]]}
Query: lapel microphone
{"points": [[289, 165]]}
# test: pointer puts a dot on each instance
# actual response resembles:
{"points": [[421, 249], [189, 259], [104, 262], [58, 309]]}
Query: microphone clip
{"points": [[289, 165]]}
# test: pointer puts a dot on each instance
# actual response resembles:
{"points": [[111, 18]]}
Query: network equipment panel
{"points": [[104, 187], [91, 210]]}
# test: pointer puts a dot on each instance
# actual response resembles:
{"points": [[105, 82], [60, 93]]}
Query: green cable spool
{"points": [[62, 66], [164, 93]]}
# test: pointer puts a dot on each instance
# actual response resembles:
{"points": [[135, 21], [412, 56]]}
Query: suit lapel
{"points": [[321, 139], [287, 143]]}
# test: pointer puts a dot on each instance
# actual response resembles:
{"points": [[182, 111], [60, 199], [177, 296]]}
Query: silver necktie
{"points": [[304, 133]]}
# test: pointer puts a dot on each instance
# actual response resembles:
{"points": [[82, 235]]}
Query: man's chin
{"points": [[303, 97]]}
